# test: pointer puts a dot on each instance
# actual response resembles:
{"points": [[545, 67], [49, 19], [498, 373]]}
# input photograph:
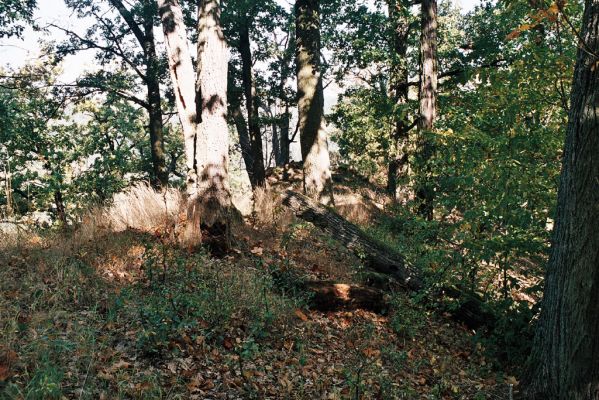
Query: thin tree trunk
{"points": [[244, 139], [160, 170], [145, 39], [284, 121], [428, 102], [60, 208], [565, 360], [257, 178], [285, 142], [399, 16], [313, 136], [276, 142], [8, 189], [212, 147]]}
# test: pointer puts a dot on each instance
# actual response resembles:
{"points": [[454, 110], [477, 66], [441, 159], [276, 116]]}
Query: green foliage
{"points": [[198, 297], [406, 317], [496, 159]]}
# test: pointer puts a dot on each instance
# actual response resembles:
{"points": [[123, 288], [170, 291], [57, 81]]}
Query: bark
{"points": [[213, 195], [398, 14], [258, 175], [313, 136], [202, 109], [428, 101], [285, 118], [375, 255], [183, 81], [565, 359]]}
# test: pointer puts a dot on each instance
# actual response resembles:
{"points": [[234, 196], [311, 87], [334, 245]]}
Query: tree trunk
{"points": [[183, 80], [145, 39], [61, 212], [313, 136], [258, 176], [428, 103], [375, 255], [160, 178], [284, 142], [285, 118], [565, 360], [212, 146], [399, 16], [244, 139], [276, 142]]}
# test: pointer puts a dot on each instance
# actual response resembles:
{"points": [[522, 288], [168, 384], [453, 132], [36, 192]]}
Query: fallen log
{"points": [[471, 310], [332, 296], [375, 255]]}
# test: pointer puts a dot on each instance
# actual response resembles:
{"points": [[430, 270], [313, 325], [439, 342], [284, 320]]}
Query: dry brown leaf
{"points": [[299, 313]]}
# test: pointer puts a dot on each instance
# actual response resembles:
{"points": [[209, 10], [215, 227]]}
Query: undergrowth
{"points": [[65, 317]]}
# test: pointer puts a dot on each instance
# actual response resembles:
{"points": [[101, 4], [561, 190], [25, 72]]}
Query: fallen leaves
{"points": [[7, 359], [300, 314]]}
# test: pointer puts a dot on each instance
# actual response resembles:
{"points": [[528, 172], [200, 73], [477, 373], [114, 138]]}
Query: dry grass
{"points": [[140, 207], [268, 210]]}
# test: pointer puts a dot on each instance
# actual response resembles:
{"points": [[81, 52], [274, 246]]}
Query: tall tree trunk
{"points": [[399, 16], [565, 360], [145, 39], [213, 195], [428, 102], [183, 80], [313, 136], [257, 178], [285, 118], [160, 170]]}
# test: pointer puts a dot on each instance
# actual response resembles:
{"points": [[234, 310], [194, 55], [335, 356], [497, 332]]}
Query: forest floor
{"points": [[120, 315]]}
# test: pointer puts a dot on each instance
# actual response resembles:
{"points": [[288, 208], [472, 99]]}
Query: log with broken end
{"points": [[471, 310], [375, 255], [332, 296]]}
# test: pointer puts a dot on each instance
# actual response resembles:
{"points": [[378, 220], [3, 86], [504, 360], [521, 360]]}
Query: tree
{"points": [[428, 100], [202, 113], [313, 136], [12, 13], [563, 364], [107, 36], [257, 173], [400, 23], [213, 131]]}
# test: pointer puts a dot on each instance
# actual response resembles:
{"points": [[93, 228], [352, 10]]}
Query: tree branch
{"points": [[128, 17]]}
